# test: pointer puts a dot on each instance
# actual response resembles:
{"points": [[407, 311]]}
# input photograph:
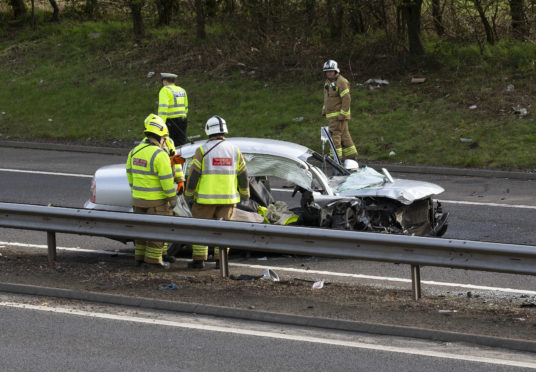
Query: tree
{"points": [[165, 9], [19, 8], [136, 7], [91, 8], [56, 13], [519, 24], [490, 37], [411, 15], [335, 17], [200, 19], [437, 14]]}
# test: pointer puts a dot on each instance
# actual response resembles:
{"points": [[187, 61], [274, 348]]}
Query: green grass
{"points": [[97, 88]]}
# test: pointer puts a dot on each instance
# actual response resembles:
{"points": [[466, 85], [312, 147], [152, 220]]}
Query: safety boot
{"points": [[168, 258], [196, 264]]}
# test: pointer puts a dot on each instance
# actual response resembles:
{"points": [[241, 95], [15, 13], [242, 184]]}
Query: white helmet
{"points": [[215, 125], [331, 65]]}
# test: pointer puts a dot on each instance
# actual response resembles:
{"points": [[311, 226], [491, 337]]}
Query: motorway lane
{"points": [[481, 222], [106, 338]]}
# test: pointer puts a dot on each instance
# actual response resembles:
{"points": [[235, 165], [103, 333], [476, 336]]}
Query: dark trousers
{"points": [[177, 130]]}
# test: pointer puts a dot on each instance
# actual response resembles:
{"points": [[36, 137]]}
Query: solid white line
{"points": [[274, 335], [73, 249], [488, 204], [461, 202], [47, 173], [301, 271]]}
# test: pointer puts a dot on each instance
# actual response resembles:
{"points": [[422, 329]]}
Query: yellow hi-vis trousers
{"points": [[341, 139], [150, 251], [215, 212]]}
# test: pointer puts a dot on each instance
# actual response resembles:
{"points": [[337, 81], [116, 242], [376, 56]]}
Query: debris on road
{"points": [[171, 286], [466, 140], [319, 284], [270, 275]]}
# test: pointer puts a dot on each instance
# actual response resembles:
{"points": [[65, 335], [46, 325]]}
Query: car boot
{"points": [[168, 258], [196, 264]]}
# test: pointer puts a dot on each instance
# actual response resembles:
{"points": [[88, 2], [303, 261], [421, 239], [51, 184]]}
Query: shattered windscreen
{"points": [[364, 177], [274, 166]]}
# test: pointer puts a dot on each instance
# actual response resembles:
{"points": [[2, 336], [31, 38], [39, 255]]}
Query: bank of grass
{"points": [[62, 83]]}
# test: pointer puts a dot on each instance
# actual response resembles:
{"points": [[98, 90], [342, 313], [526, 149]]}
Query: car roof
{"points": [[256, 146]]}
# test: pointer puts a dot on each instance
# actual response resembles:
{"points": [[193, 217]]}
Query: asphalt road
{"points": [[502, 210], [73, 336]]}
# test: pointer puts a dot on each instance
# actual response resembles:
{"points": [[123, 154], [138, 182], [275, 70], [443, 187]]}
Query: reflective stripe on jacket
{"points": [[219, 166], [172, 102], [337, 98], [149, 173]]}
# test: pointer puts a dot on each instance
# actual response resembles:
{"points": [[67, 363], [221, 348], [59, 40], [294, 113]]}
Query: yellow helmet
{"points": [[169, 146], [154, 124]]}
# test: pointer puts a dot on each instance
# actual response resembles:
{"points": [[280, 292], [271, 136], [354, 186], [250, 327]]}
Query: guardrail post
{"points": [[416, 281], [224, 262], [51, 242]]}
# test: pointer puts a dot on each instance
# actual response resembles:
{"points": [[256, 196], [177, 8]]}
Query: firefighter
{"points": [[173, 108], [337, 110], [216, 182], [150, 178]]}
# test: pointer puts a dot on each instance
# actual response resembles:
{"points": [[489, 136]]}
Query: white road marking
{"points": [[73, 249], [301, 271], [274, 335], [460, 202], [488, 204], [47, 173]]}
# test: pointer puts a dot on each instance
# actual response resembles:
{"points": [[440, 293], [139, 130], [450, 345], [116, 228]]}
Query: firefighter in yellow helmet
{"points": [[173, 108], [216, 182], [337, 110], [150, 178]]}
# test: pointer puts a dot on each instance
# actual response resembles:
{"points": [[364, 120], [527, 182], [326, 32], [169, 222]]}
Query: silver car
{"points": [[331, 196]]}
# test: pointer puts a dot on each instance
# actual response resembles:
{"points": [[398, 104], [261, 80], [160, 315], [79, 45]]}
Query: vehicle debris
{"points": [[150, 74], [447, 311], [473, 107], [520, 111], [171, 286], [319, 284], [298, 119], [417, 80], [509, 88], [466, 140], [377, 83], [270, 275]]}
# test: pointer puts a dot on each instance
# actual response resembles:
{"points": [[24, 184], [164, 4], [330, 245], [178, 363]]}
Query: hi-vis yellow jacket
{"points": [[218, 174], [337, 98], [149, 173], [172, 102]]}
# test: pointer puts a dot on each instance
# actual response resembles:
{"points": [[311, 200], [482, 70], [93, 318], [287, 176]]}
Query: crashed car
{"points": [[330, 194]]}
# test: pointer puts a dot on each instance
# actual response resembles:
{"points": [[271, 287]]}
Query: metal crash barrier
{"points": [[412, 250]]}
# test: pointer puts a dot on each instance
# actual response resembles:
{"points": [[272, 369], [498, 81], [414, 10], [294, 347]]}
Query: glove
{"points": [[180, 188], [244, 200], [323, 114], [341, 117], [190, 203], [173, 202]]}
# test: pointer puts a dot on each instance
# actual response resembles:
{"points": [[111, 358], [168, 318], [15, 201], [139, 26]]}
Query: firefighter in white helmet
{"points": [[216, 182], [337, 110], [151, 181]]}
